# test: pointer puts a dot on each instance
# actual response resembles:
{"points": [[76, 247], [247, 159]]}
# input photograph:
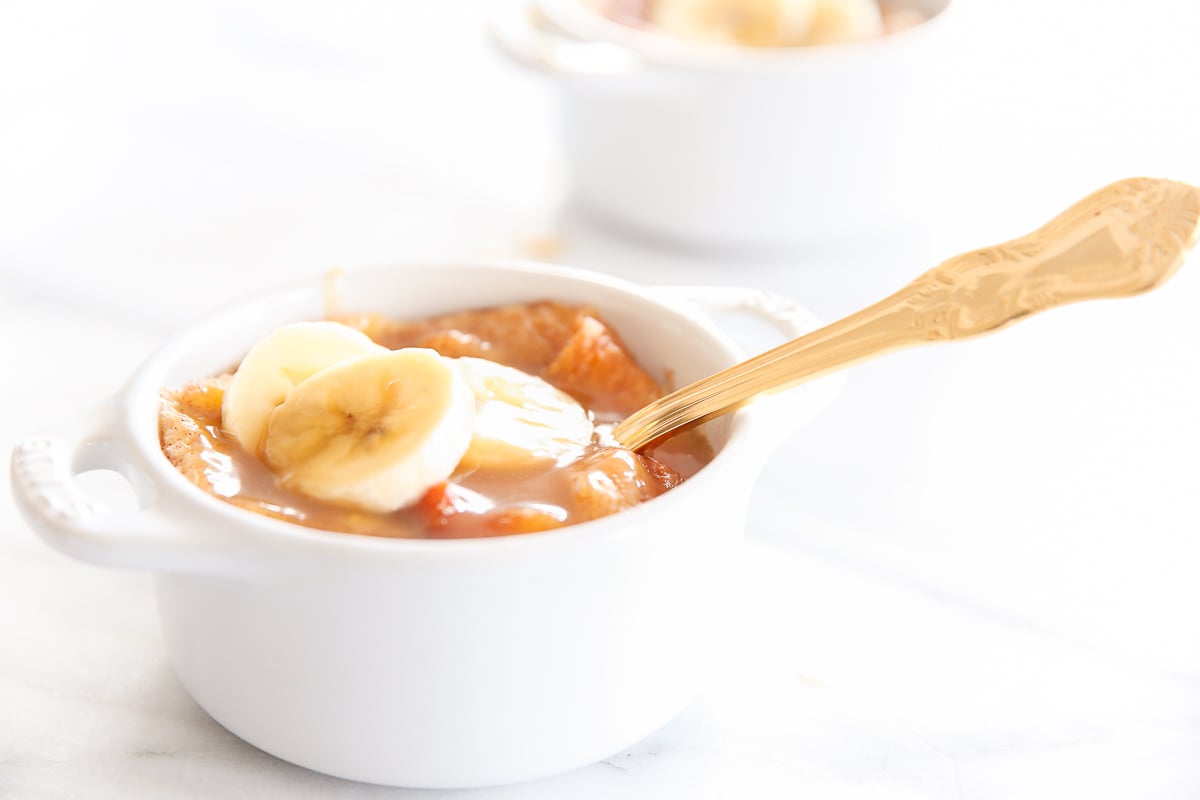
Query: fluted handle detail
{"points": [[1125, 239]]}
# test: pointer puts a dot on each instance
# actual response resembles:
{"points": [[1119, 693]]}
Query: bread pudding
{"points": [[484, 422]]}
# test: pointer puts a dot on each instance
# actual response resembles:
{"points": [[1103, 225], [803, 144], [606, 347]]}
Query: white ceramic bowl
{"points": [[418, 662], [733, 147]]}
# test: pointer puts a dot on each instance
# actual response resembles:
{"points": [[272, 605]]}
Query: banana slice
{"points": [[276, 365], [838, 21], [752, 22], [520, 420], [375, 432], [769, 23]]}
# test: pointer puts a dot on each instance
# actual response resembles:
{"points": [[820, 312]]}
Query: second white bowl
{"points": [[732, 147]]}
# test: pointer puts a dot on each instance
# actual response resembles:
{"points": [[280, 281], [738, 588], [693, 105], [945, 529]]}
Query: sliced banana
{"points": [[276, 365], [769, 23], [839, 21], [375, 432], [520, 420], [752, 22]]}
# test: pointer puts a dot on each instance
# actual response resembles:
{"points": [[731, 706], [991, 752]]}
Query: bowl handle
{"points": [[789, 410], [523, 33], [152, 537]]}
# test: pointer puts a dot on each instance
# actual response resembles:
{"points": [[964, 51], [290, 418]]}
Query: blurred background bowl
{"points": [[728, 147]]}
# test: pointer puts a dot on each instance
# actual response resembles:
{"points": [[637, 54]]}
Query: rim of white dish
{"points": [[139, 414], [579, 20]]}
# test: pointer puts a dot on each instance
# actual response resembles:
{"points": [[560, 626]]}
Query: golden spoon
{"points": [[1124, 239]]}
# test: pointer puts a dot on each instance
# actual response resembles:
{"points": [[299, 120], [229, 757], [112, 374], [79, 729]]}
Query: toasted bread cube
{"points": [[599, 372]]}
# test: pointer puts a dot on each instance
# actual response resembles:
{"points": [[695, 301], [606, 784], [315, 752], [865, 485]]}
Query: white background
{"points": [[974, 577]]}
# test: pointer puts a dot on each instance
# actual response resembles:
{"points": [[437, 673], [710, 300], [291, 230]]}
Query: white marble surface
{"points": [[973, 578]]}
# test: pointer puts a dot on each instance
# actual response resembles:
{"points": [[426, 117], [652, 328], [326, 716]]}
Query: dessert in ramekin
{"points": [[418, 662]]}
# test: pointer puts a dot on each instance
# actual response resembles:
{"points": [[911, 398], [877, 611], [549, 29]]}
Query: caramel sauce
{"points": [[570, 347]]}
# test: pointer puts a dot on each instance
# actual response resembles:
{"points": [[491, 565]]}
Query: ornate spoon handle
{"points": [[1122, 240]]}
